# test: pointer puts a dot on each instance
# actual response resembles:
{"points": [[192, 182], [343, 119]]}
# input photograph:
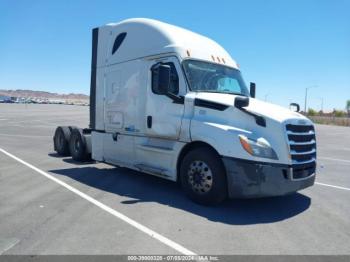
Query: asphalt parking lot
{"points": [[40, 216]]}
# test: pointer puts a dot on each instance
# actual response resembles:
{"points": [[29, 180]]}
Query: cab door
{"points": [[164, 114]]}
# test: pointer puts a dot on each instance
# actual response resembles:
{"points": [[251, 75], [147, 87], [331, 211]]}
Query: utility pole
{"points": [[321, 98], [307, 88]]}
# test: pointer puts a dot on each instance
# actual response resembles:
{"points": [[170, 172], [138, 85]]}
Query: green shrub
{"points": [[339, 113], [311, 112]]}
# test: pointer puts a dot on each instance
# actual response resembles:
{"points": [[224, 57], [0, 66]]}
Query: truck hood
{"points": [[267, 110]]}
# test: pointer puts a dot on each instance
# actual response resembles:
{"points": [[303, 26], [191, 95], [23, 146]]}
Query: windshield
{"points": [[215, 78]]}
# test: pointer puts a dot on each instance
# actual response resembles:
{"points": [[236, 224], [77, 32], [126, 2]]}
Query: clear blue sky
{"points": [[283, 46]]}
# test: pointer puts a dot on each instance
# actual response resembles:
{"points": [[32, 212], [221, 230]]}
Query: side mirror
{"points": [[252, 89], [241, 101], [161, 79], [294, 107]]}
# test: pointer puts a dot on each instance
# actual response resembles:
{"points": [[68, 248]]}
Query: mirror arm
{"points": [[296, 105], [176, 99]]}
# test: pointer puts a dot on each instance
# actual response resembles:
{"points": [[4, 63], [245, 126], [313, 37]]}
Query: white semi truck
{"points": [[172, 103]]}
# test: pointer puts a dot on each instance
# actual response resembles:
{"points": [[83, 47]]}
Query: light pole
{"points": [[321, 98], [307, 88]]}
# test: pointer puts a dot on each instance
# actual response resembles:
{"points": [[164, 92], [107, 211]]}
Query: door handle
{"points": [[149, 121]]}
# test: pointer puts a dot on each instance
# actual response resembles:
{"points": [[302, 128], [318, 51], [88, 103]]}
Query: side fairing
{"points": [[120, 96]]}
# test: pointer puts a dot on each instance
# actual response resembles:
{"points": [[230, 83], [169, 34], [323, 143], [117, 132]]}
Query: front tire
{"points": [[203, 176]]}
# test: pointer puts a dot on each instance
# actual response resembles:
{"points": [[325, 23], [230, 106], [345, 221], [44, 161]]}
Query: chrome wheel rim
{"points": [[200, 177]]}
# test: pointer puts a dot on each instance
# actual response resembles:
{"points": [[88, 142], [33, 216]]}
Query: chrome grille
{"points": [[302, 143]]}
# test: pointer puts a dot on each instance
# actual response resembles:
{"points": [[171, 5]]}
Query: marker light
{"points": [[246, 145]]}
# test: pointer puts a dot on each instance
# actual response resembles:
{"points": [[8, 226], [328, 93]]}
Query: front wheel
{"points": [[203, 176]]}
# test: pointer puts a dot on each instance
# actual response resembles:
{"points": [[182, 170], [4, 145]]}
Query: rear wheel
{"points": [[203, 176], [77, 145], [61, 140]]}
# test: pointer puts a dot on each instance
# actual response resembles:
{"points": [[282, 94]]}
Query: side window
{"points": [[174, 80], [118, 41]]}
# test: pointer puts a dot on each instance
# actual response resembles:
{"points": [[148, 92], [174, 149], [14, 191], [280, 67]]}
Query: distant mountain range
{"points": [[42, 95]]}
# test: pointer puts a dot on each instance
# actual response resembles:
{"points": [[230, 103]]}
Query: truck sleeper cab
{"points": [[172, 103]]}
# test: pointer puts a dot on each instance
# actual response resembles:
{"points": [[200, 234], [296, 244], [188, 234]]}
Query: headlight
{"points": [[259, 147]]}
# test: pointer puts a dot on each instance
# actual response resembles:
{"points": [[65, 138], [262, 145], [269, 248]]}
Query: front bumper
{"points": [[250, 179]]}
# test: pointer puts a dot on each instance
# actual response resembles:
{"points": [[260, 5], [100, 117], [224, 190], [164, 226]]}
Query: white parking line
{"points": [[335, 159], [106, 208], [7, 243], [339, 187]]}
